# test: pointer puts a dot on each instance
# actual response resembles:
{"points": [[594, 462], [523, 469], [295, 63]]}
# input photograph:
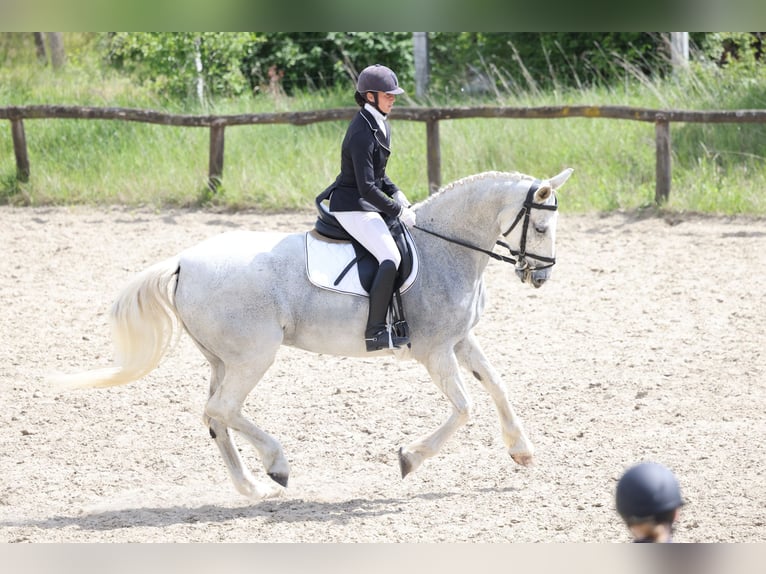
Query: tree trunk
{"points": [[56, 45], [679, 51], [42, 55], [420, 46]]}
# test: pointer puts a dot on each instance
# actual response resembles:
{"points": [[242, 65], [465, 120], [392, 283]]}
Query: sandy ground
{"points": [[648, 343]]}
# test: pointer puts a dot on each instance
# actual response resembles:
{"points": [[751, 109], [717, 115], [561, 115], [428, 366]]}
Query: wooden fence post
{"points": [[20, 149], [215, 165], [662, 183], [434, 154]]}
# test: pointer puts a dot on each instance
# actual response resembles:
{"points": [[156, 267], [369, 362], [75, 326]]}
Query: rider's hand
{"points": [[401, 199], [408, 217]]}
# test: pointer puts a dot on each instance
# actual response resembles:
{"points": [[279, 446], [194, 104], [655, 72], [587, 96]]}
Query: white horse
{"points": [[240, 295]]}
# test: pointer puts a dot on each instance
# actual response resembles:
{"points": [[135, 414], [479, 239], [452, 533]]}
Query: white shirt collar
{"points": [[379, 118]]}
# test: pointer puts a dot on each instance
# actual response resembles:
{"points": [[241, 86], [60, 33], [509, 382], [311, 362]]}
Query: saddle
{"points": [[327, 226]]}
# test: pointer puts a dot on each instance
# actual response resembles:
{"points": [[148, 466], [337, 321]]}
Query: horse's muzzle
{"points": [[535, 277]]}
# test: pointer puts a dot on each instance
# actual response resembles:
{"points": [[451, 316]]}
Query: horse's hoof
{"points": [[523, 459], [404, 465], [280, 479]]}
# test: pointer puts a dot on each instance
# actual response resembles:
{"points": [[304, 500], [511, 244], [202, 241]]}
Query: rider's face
{"points": [[385, 101]]}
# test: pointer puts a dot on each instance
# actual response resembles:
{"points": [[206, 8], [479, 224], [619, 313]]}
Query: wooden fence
{"points": [[430, 116]]}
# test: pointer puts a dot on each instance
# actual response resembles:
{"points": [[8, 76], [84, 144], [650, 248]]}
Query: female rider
{"points": [[363, 194]]}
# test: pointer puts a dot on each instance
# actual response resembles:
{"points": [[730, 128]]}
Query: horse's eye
{"points": [[541, 229]]}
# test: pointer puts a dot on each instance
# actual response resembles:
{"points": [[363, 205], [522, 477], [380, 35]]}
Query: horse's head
{"points": [[531, 229]]}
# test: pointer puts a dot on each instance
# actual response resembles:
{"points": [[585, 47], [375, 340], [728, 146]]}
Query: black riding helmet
{"points": [[646, 490], [376, 78]]}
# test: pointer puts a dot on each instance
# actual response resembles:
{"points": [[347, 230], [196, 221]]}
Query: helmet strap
{"points": [[374, 101]]}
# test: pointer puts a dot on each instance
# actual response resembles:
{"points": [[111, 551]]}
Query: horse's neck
{"points": [[469, 213]]}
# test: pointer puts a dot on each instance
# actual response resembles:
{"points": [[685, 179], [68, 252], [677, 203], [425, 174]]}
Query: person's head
{"points": [[648, 499], [378, 86]]}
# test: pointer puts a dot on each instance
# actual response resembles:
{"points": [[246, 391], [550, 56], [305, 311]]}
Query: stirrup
{"points": [[385, 340]]}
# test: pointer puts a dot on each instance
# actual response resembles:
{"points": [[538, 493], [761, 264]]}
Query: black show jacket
{"points": [[362, 184]]}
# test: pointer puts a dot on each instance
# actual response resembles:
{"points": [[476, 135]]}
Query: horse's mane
{"points": [[505, 175]]}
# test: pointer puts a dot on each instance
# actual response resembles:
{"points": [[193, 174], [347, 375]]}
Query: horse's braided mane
{"points": [[511, 175]]}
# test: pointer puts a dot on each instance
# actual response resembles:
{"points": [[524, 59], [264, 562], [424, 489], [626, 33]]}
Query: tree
{"points": [[42, 55], [420, 56], [679, 50], [55, 46], [183, 64]]}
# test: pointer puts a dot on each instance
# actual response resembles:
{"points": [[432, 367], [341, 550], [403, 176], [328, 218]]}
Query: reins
{"points": [[524, 213], [471, 246]]}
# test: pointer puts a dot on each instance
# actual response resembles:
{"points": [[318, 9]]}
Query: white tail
{"points": [[143, 320]]}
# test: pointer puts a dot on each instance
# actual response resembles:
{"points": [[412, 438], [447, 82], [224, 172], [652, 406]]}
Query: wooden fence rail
{"points": [[430, 116]]}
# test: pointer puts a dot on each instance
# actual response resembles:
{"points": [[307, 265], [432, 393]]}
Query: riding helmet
{"points": [[378, 78], [646, 490]]}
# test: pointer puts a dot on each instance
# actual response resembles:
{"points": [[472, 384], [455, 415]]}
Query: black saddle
{"points": [[328, 226]]}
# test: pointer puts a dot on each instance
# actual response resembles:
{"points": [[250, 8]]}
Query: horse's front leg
{"points": [[471, 357], [445, 373]]}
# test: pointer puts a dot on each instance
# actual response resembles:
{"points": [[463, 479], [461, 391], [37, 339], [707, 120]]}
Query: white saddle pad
{"points": [[327, 258]]}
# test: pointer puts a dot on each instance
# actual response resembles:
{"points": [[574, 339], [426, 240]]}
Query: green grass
{"points": [[716, 168]]}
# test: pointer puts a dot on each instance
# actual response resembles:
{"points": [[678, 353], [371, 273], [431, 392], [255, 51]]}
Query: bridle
{"points": [[521, 256]]}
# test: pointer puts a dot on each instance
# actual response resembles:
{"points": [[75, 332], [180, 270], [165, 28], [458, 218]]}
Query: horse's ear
{"points": [[543, 193], [560, 179]]}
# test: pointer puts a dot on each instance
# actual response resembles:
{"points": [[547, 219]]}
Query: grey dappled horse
{"points": [[240, 295]]}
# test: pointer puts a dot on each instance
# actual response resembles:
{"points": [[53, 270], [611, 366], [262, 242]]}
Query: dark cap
{"points": [[378, 78], [645, 490]]}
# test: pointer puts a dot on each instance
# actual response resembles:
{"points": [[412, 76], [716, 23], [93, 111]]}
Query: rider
{"points": [[362, 194], [648, 500]]}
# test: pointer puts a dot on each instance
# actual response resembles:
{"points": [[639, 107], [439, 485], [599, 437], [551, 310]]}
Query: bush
{"points": [[298, 61], [182, 64]]}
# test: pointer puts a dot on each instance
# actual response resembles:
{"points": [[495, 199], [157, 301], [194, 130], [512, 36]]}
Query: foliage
{"points": [[475, 64], [273, 63], [524, 61], [320, 60], [743, 51], [173, 63]]}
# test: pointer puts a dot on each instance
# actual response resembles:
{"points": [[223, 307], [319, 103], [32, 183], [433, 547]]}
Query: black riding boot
{"points": [[376, 336]]}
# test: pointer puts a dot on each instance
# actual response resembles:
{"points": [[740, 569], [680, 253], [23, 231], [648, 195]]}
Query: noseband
{"points": [[521, 255]]}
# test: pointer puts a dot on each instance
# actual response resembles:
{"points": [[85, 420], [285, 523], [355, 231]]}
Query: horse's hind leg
{"points": [[445, 373], [224, 410], [471, 356], [243, 480]]}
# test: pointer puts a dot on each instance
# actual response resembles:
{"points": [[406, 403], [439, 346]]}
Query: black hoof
{"points": [[404, 464], [280, 479]]}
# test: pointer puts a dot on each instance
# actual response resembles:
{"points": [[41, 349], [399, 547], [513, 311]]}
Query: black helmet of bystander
{"points": [[646, 490]]}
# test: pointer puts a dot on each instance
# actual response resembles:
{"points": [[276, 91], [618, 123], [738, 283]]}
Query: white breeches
{"points": [[369, 229]]}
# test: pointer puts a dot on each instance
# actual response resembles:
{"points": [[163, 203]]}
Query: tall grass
{"points": [[717, 168]]}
